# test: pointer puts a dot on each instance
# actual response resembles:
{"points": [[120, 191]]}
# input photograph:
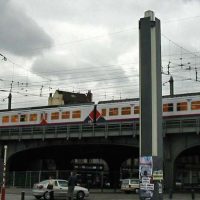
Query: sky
{"points": [[81, 45]]}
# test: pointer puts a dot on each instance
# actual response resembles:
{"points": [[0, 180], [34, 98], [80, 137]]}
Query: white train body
{"points": [[70, 114], [117, 111], [178, 106], [182, 106], [110, 111]]}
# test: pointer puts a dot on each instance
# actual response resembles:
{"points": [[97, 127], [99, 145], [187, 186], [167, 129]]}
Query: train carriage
{"points": [[68, 114], [115, 111], [183, 105]]}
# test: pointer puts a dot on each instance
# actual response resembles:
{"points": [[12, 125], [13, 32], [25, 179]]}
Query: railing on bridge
{"points": [[70, 130], [182, 125], [128, 128]]}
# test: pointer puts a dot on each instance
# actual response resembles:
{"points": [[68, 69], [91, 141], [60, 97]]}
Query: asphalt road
{"points": [[103, 196]]}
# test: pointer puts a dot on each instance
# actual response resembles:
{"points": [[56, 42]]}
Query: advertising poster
{"points": [[146, 175], [146, 166]]}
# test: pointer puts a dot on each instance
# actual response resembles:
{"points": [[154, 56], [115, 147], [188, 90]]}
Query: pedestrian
{"points": [[71, 185], [50, 188]]}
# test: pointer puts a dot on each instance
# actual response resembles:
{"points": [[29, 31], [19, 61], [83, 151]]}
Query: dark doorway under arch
{"points": [[59, 157], [187, 168]]}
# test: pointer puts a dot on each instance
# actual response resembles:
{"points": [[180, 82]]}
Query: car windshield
{"points": [[63, 183], [134, 181], [126, 181]]}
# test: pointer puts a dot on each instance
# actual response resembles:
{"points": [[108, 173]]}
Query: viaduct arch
{"points": [[29, 155], [114, 150], [177, 147]]}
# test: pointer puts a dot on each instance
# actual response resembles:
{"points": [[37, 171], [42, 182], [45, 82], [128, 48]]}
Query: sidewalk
{"points": [[14, 190]]}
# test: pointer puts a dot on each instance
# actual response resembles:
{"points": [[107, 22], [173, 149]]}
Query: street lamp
{"points": [[4, 174]]}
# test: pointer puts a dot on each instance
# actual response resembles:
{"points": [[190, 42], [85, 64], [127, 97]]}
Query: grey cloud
{"points": [[111, 16], [108, 13], [20, 34], [94, 66], [95, 12], [189, 1]]}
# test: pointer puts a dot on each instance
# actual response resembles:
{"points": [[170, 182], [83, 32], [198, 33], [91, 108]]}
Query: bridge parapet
{"points": [[70, 131], [129, 128]]}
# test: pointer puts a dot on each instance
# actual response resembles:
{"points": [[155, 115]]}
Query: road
{"points": [[16, 195]]}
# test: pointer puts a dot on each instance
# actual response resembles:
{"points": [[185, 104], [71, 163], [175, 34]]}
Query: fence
{"points": [[89, 179]]}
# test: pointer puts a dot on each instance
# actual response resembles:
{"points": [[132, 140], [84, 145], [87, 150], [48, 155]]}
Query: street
{"points": [[16, 195]]}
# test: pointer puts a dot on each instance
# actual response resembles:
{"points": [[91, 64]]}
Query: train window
{"points": [[113, 111], [126, 111], [54, 115], [103, 112], [181, 106], [5, 119], [66, 115], [137, 110], [43, 116], [23, 118], [14, 118], [195, 105], [168, 107], [76, 114], [33, 117]]}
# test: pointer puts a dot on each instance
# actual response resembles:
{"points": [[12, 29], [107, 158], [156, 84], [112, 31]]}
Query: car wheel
{"points": [[38, 197], [80, 195], [46, 195]]}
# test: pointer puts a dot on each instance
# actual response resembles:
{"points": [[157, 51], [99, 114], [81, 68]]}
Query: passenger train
{"points": [[182, 105]]}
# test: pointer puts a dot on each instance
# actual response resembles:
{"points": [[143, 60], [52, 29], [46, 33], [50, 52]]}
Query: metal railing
{"points": [[86, 178], [92, 130]]}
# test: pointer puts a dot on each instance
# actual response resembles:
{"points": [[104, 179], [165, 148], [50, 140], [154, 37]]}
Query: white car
{"points": [[130, 185], [60, 189]]}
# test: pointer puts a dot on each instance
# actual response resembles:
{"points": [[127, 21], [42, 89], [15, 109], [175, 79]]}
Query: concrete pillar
{"points": [[151, 139]]}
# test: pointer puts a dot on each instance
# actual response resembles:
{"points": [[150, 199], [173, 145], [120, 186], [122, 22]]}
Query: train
{"points": [[181, 105]]}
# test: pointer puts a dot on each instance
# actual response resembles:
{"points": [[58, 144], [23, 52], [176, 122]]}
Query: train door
{"points": [[43, 118]]}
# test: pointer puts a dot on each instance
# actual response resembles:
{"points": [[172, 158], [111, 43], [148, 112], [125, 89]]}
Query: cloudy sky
{"points": [[81, 45]]}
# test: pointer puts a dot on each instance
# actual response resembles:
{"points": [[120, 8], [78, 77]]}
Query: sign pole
{"points": [[3, 189], [151, 141]]}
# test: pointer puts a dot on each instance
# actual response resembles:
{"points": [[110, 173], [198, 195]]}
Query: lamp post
{"points": [[3, 190]]}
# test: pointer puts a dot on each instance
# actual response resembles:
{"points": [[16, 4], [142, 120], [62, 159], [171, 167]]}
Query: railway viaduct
{"points": [[113, 142]]}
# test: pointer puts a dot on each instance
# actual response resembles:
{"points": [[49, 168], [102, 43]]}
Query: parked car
{"points": [[130, 185], [178, 184], [60, 189]]}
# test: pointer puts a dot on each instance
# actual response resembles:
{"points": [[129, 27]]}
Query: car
{"points": [[60, 189], [178, 184], [130, 185]]}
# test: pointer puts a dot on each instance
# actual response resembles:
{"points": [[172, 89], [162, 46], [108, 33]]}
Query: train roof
{"points": [[46, 107], [183, 95], [137, 99], [118, 100], [100, 102]]}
